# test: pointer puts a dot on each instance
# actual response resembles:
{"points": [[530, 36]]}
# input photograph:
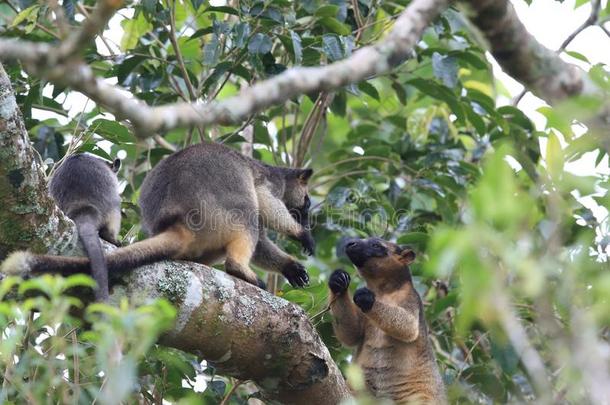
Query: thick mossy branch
{"points": [[525, 59], [243, 331]]}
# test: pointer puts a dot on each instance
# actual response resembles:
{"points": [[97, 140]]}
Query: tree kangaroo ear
{"points": [[407, 255], [304, 175], [115, 165]]}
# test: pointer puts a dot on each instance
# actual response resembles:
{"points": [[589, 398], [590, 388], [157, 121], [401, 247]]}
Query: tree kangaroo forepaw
{"points": [[308, 243], [364, 298], [296, 274], [339, 281]]}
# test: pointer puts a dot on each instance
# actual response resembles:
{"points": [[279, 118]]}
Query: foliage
{"points": [[53, 349], [423, 156]]}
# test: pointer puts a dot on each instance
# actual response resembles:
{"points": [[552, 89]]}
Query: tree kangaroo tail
{"points": [[89, 236], [168, 244]]}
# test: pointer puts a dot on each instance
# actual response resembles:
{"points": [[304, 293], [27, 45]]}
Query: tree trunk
{"points": [[29, 217]]}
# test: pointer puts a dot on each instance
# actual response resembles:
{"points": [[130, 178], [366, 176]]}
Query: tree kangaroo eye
{"points": [[377, 245]]}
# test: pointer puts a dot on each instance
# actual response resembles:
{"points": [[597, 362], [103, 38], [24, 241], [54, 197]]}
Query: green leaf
{"points": [[332, 47], [297, 48], [473, 59], [369, 89], [211, 51], [113, 131], [400, 91], [578, 55], [599, 75], [260, 44], [554, 156], [483, 377], [335, 26], [241, 32], [133, 30], [437, 91], [79, 280], [222, 9], [419, 239], [30, 15], [329, 10], [445, 68]]}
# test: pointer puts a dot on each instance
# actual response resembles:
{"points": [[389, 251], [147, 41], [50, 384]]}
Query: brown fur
{"points": [[390, 336], [208, 202]]}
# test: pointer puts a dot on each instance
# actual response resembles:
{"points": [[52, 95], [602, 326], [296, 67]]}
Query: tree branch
{"points": [[93, 24], [243, 331], [43, 61], [538, 68], [591, 20]]}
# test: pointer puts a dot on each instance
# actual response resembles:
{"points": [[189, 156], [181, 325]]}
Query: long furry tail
{"points": [[88, 232], [167, 245]]}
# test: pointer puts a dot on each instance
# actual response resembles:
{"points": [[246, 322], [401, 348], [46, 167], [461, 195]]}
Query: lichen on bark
{"points": [[30, 219]]}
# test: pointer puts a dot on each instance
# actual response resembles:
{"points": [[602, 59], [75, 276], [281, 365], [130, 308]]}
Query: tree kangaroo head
{"points": [[296, 195], [377, 259]]}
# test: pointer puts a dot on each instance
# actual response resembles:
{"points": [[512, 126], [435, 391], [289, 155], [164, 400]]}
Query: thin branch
{"points": [[60, 18], [519, 340], [84, 12], [102, 13], [227, 398], [164, 143], [591, 20], [174, 41], [42, 59]]}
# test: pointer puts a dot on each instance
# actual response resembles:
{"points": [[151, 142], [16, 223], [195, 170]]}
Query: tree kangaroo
{"points": [[386, 324], [86, 189], [204, 203]]}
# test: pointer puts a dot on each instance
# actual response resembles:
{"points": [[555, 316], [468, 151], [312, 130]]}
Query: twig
{"points": [[97, 20], [518, 338], [343, 175], [227, 398], [325, 310], [310, 126], [76, 366], [591, 20], [174, 42], [606, 31], [84, 12], [60, 18], [164, 143]]}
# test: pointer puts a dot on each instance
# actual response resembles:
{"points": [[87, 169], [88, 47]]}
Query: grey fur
{"points": [[86, 189]]}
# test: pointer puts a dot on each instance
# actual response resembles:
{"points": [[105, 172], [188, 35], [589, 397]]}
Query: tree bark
{"points": [[243, 331], [525, 59], [29, 217], [538, 68]]}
